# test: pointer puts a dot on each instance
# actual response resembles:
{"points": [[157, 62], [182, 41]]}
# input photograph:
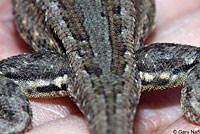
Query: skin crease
{"points": [[158, 112]]}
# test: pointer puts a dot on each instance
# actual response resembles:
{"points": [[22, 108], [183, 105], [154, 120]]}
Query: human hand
{"points": [[158, 112]]}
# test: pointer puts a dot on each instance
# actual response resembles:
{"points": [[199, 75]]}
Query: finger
{"points": [[170, 10], [68, 125]]}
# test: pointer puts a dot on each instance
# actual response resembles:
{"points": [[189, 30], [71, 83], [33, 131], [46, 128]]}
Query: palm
{"points": [[158, 112]]}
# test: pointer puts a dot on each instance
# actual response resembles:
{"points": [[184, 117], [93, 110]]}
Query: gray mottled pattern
{"points": [[92, 51]]}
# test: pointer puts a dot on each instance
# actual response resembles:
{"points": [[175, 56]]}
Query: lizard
{"points": [[93, 52]]}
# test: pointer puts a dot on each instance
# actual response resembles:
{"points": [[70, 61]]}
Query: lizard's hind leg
{"points": [[34, 74], [15, 112], [190, 95], [168, 65]]}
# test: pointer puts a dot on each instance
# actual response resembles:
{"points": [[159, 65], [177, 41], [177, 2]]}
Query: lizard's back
{"points": [[98, 39]]}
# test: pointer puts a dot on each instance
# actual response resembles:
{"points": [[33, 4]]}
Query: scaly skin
{"points": [[97, 60], [100, 50]]}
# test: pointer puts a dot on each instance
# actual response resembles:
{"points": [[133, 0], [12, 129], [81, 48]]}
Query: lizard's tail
{"points": [[109, 108]]}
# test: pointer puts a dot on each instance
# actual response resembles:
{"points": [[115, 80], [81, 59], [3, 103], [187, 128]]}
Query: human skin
{"points": [[158, 112]]}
